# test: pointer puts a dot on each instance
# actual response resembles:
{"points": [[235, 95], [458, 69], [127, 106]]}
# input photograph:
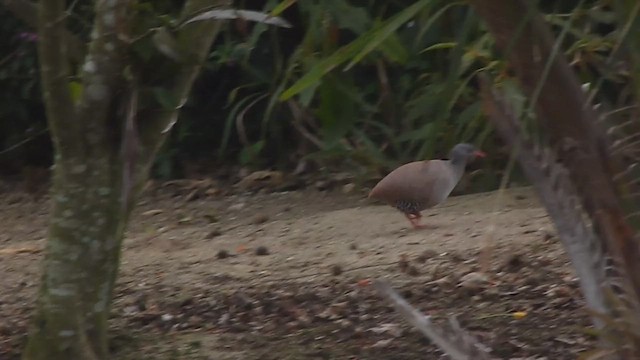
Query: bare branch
{"points": [[297, 112], [454, 341]]}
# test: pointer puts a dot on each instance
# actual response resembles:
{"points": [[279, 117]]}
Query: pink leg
{"points": [[415, 221]]}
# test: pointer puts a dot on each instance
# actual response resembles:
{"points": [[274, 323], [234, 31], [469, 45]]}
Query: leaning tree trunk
{"points": [[580, 142], [105, 142]]}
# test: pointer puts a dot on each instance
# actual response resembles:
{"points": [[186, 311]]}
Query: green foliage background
{"points": [[354, 85]]}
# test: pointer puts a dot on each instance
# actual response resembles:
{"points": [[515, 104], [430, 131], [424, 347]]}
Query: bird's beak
{"points": [[479, 153]]}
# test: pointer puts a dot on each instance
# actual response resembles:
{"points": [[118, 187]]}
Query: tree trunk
{"points": [[584, 149], [105, 144], [82, 257]]}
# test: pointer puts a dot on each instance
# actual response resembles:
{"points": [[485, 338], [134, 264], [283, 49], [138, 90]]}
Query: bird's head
{"points": [[463, 153]]}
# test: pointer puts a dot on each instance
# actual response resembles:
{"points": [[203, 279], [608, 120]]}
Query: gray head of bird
{"points": [[463, 153]]}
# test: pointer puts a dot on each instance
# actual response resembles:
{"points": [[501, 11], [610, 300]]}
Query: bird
{"points": [[419, 185]]}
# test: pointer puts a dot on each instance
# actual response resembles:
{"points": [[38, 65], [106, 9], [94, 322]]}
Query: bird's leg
{"points": [[414, 219]]}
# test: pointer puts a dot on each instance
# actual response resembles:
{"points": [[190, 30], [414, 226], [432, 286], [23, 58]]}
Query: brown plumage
{"points": [[419, 185]]}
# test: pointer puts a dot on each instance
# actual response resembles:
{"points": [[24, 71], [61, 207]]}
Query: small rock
{"points": [[382, 343], [261, 179], [185, 220], [237, 206], [262, 250], [260, 219], [387, 328], [426, 255], [152, 212], [322, 185], [336, 269], [412, 271], [443, 281], [407, 293], [341, 177], [559, 292], [513, 263], [166, 317], [403, 263], [213, 192], [129, 310], [348, 188], [211, 217], [546, 234], [224, 319], [474, 281], [222, 254], [344, 323], [214, 233]]}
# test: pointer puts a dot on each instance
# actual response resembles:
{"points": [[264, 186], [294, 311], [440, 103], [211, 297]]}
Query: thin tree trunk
{"points": [[104, 147], [83, 250]]}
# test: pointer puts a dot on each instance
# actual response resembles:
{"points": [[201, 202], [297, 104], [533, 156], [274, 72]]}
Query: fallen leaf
{"points": [[519, 315]]}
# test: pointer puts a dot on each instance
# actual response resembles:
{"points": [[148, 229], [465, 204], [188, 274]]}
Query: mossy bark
{"points": [[91, 196], [81, 263]]}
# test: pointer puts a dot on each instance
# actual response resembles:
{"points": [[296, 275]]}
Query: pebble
{"points": [[348, 188], [262, 250], [474, 281]]}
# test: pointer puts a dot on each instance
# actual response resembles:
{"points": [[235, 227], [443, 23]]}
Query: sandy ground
{"points": [[280, 275]]}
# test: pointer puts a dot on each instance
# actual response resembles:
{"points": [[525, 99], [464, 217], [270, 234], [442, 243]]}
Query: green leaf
{"points": [[446, 45], [393, 49], [356, 49], [307, 95], [231, 14], [434, 17], [347, 16], [282, 7], [321, 68], [389, 27]]}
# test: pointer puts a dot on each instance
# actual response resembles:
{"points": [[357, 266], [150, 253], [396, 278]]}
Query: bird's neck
{"points": [[458, 166]]}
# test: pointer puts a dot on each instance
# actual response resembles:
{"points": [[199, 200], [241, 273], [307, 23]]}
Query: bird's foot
{"points": [[415, 222]]}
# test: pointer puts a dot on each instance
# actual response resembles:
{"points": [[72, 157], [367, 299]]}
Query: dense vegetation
{"points": [[412, 97]]}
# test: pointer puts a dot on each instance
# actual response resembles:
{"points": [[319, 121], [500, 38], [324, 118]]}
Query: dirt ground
{"points": [[280, 276]]}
